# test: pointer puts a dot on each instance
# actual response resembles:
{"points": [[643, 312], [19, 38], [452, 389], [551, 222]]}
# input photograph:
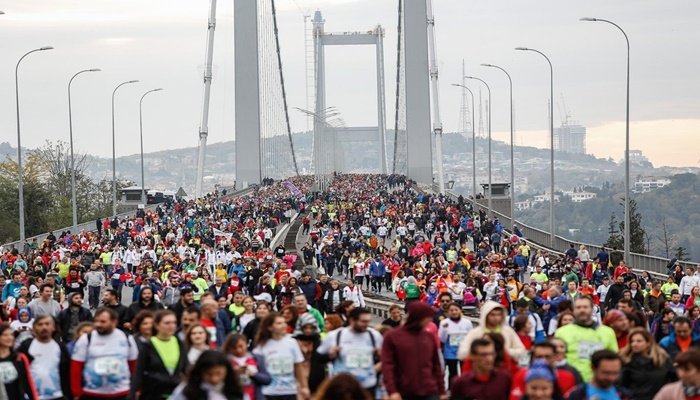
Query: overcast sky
{"points": [[162, 43]]}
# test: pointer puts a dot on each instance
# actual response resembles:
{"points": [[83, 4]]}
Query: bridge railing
{"points": [[638, 262]]}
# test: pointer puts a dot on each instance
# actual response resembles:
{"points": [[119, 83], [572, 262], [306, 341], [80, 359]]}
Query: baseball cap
{"points": [[263, 297]]}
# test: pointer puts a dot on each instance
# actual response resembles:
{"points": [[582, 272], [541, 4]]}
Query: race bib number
{"points": [[586, 349], [455, 340], [280, 366], [359, 360], [107, 366], [115, 276], [8, 372], [75, 285]]}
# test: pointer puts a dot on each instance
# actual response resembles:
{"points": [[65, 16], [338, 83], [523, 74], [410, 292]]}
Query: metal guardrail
{"points": [[638, 262]]}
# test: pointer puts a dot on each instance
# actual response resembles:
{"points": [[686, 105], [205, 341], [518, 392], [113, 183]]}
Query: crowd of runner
{"points": [[193, 300]]}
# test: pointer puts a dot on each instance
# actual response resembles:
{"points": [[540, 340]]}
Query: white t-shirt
{"points": [[280, 357], [45, 369], [356, 353], [106, 370]]}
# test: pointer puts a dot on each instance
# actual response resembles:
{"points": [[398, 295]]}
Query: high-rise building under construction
{"points": [[570, 137]]}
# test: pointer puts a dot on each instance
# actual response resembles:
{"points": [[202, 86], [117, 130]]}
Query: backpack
{"points": [[375, 354], [89, 340], [469, 298], [412, 291]]}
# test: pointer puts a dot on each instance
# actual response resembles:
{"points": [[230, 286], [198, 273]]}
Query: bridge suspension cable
{"points": [[277, 156], [284, 91], [399, 165]]}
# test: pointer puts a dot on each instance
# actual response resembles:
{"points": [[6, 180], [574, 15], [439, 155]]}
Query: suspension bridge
{"points": [[264, 143]]}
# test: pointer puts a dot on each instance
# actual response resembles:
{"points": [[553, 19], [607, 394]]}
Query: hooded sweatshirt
{"points": [[513, 345], [411, 356]]}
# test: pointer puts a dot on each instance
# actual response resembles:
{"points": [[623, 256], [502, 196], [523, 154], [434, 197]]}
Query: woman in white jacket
{"points": [[493, 318], [353, 293]]}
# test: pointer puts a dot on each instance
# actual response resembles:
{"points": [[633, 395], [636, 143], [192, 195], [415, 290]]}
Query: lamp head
{"points": [[457, 84], [2, 12], [46, 48], [157, 90], [134, 81], [487, 65], [521, 48], [588, 19], [469, 77], [94, 70]]}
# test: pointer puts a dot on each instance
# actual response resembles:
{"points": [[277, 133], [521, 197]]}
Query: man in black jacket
{"points": [[186, 301], [49, 360], [110, 299], [146, 302], [72, 316], [615, 292]]}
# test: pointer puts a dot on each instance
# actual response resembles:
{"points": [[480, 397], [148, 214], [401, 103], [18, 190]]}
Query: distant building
{"points": [[637, 157], [646, 184], [523, 205], [541, 198], [578, 197], [570, 138]]}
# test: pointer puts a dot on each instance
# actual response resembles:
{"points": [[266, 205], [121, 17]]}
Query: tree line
{"points": [[47, 191]]}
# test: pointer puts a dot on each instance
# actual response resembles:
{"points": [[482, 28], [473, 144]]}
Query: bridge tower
{"points": [[247, 93], [325, 137], [418, 123]]}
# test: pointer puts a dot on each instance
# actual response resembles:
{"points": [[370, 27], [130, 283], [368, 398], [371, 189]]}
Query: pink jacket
{"points": [[672, 391]]}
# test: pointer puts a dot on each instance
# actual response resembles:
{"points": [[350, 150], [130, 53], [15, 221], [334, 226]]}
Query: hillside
{"points": [[677, 206]]}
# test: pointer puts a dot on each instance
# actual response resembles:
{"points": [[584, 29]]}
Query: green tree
{"points": [[37, 199], [637, 232], [615, 240], [682, 254]]}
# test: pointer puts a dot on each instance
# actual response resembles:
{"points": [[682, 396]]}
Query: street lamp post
{"points": [[473, 141], [114, 154], [512, 144], [143, 183], [73, 196], [627, 137], [20, 172], [489, 116], [552, 234]]}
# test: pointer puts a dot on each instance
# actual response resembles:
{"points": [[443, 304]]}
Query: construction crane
{"points": [[204, 123], [566, 117]]}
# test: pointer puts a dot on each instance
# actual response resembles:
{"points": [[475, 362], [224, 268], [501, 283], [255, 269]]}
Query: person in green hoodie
{"points": [[200, 283], [584, 337]]}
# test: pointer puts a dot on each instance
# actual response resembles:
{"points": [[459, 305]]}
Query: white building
{"points": [[578, 197], [646, 184], [541, 198], [523, 205]]}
